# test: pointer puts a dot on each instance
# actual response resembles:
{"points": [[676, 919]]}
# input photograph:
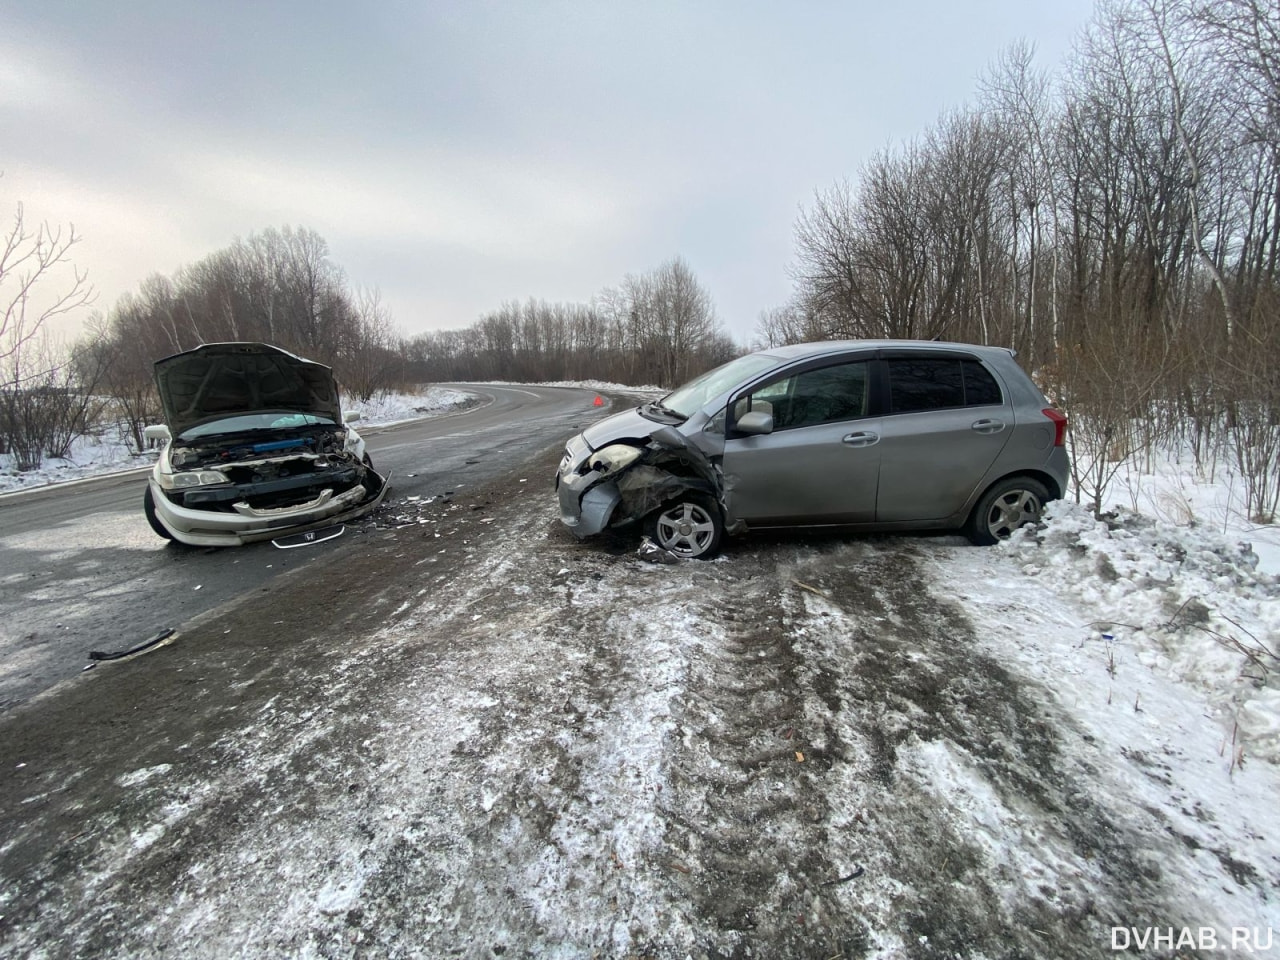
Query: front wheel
{"points": [[689, 526], [1004, 508], [149, 508]]}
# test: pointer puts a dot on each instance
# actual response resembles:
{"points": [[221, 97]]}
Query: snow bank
{"points": [[1187, 601], [107, 451], [396, 407]]}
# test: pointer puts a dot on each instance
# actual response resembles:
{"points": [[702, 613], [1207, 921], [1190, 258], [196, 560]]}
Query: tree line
{"points": [[658, 328], [278, 286], [1118, 224]]}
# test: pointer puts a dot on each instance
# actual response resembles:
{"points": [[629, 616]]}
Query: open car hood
{"points": [[226, 379]]}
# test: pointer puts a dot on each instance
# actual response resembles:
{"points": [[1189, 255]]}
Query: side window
{"points": [[980, 387], [764, 399], [826, 395], [937, 383], [924, 383]]}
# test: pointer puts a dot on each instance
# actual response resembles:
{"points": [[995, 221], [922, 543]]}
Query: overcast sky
{"points": [[457, 155]]}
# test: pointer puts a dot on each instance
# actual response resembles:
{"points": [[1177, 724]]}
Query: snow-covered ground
{"points": [[108, 452]]}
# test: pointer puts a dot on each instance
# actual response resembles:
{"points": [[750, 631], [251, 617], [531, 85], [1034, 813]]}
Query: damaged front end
{"points": [[255, 445], [627, 480], [227, 489]]}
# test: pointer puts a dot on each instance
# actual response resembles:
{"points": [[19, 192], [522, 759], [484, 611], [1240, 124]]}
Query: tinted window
{"points": [[938, 383], [980, 387], [924, 383], [818, 396]]}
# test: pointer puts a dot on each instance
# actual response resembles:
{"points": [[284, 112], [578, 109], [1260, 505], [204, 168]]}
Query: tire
{"points": [[1008, 505], [149, 508], [689, 526]]}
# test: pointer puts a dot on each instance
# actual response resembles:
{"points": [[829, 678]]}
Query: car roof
{"points": [[795, 351]]}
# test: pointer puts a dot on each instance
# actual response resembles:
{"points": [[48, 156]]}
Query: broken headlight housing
{"points": [[613, 458], [195, 478]]}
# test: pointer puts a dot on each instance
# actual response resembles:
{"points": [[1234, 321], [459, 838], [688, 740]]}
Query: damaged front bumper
{"points": [[595, 493], [586, 509], [242, 523], [586, 502]]}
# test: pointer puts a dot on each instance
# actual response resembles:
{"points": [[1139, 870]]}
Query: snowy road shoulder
{"points": [[1084, 611]]}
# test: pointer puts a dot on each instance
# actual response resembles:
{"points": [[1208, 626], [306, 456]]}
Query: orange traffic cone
{"points": [[598, 401]]}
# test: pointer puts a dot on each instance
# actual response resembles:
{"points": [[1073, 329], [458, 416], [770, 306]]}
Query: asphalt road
{"points": [[80, 570]]}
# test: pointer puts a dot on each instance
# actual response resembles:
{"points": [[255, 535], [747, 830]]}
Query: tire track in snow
{"points": [[979, 832], [748, 808], [554, 751]]}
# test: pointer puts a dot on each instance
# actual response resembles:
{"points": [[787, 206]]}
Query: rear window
{"points": [[980, 387], [939, 383]]}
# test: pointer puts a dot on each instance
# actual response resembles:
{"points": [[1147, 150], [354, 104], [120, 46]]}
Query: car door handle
{"points": [[987, 426], [863, 439]]}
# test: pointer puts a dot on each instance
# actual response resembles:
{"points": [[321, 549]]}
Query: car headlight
{"points": [[613, 458], [198, 478]]}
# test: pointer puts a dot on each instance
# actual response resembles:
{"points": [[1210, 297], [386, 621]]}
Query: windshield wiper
{"points": [[660, 407]]}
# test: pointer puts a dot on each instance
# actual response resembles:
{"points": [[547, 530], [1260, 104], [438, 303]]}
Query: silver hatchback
{"points": [[868, 434]]}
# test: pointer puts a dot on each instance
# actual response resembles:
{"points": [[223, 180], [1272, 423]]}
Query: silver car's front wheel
{"points": [[1010, 504], [689, 527]]}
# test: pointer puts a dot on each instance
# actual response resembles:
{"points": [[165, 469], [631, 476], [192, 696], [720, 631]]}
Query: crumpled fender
{"points": [[669, 466], [645, 487]]}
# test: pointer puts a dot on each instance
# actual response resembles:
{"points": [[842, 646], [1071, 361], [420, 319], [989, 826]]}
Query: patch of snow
{"points": [[144, 839], [600, 386], [1185, 602], [144, 775]]}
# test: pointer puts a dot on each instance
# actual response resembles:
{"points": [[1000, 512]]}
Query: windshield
{"points": [[687, 400], [275, 420]]}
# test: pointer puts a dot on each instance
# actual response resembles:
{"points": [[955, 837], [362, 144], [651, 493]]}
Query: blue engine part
{"points": [[283, 444]]}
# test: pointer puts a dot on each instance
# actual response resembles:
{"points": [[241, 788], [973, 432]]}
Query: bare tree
{"points": [[42, 408], [368, 359], [1019, 97], [38, 282]]}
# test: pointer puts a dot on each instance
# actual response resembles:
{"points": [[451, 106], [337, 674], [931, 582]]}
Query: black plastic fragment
{"points": [[853, 876], [149, 642]]}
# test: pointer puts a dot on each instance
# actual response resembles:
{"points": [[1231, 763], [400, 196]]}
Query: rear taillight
{"points": [[1059, 425]]}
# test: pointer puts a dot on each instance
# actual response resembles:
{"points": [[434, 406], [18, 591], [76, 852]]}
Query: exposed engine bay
{"points": [[268, 470]]}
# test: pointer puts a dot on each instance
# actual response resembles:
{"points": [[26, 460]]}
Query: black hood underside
{"points": [[226, 379]]}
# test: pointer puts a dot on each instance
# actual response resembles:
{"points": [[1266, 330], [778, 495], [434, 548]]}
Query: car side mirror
{"points": [[351, 416], [755, 423], [157, 431]]}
